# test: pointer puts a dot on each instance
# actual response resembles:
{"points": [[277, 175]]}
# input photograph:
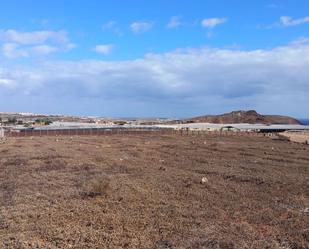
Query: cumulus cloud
{"points": [[104, 49], [300, 41], [187, 81], [140, 27], [25, 44], [287, 21], [109, 25], [6, 82], [112, 26], [35, 37], [174, 22], [213, 22], [12, 50], [44, 49]]}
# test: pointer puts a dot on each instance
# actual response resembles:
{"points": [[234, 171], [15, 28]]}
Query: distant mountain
{"points": [[304, 121], [251, 117]]}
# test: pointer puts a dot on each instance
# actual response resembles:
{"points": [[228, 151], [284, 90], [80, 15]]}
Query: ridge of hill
{"points": [[251, 117]]}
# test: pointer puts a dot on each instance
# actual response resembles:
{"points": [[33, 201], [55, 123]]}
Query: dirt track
{"points": [[146, 191]]}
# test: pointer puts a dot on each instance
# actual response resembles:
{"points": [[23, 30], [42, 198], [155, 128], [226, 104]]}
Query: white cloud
{"points": [[174, 22], [44, 49], [70, 46], [109, 25], [104, 48], [212, 22], [274, 80], [289, 21], [6, 82], [140, 27], [301, 41], [112, 26], [26, 44], [35, 37], [12, 51]]}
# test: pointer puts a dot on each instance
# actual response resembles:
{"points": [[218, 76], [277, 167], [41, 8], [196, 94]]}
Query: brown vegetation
{"points": [[154, 191]]}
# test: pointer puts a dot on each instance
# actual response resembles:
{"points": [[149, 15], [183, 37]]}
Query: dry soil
{"points": [[154, 191]]}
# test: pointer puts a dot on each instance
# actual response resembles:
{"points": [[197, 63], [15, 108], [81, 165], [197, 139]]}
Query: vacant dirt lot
{"points": [[298, 137], [150, 191]]}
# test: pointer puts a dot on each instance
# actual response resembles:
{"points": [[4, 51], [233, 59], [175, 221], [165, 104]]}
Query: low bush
{"points": [[98, 186]]}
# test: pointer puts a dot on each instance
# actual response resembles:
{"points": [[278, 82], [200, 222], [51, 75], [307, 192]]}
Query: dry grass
{"points": [[147, 191], [98, 186]]}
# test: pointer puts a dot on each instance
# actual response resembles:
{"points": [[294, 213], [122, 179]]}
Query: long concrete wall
{"points": [[124, 131]]}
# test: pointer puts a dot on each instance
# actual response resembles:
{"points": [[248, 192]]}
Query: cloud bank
{"points": [[178, 83]]}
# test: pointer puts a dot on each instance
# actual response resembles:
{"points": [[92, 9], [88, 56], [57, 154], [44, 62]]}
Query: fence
{"points": [[124, 131]]}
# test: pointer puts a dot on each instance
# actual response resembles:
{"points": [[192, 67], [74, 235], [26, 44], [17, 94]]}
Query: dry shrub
{"points": [[53, 164], [98, 186], [213, 244], [162, 244], [15, 162]]}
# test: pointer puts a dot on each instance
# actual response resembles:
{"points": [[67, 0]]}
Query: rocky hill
{"points": [[251, 117]]}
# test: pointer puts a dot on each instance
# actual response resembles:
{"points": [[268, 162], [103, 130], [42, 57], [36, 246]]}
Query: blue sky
{"points": [[154, 58]]}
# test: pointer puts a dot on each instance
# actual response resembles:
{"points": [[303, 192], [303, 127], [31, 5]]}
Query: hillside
{"points": [[251, 117]]}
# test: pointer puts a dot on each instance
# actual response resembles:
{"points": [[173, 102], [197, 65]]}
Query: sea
{"points": [[304, 121]]}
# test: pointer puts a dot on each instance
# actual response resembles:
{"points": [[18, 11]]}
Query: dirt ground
{"points": [[298, 137], [154, 191]]}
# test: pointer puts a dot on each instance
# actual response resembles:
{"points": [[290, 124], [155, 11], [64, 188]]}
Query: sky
{"points": [[146, 58]]}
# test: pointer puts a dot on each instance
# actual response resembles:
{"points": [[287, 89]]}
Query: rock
{"points": [[204, 180]]}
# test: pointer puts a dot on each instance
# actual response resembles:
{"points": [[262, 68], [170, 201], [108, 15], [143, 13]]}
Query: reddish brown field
{"points": [[146, 191]]}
